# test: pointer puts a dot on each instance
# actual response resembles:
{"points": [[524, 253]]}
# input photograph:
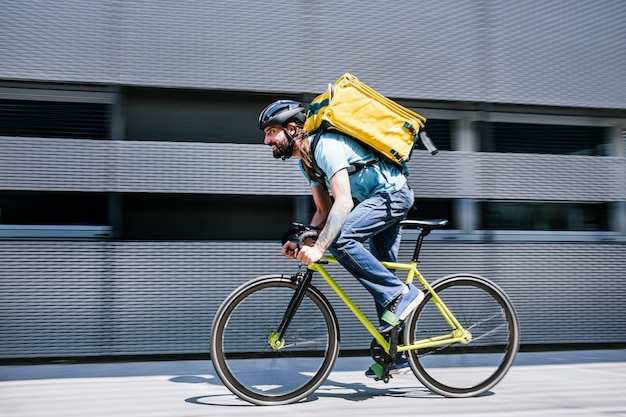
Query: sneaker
{"points": [[400, 308], [400, 367]]}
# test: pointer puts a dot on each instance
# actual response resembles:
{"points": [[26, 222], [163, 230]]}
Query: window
{"points": [[53, 215], [434, 208], [54, 119], [193, 116], [205, 217], [543, 138], [145, 216], [53, 208], [544, 216]]}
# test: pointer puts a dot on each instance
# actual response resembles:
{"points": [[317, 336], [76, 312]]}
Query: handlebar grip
{"points": [[428, 143], [309, 234]]}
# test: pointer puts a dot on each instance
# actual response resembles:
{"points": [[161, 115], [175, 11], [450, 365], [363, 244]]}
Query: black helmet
{"points": [[282, 112]]}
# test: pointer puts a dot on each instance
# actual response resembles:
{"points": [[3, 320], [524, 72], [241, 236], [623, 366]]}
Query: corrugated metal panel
{"points": [[81, 298], [88, 165], [226, 45], [59, 41], [166, 294], [212, 168], [550, 177], [531, 52], [448, 174], [53, 299], [412, 50], [204, 168], [555, 52], [55, 164], [564, 293]]}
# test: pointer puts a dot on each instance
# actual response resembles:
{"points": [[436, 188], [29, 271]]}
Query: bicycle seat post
{"points": [[425, 226], [418, 246]]}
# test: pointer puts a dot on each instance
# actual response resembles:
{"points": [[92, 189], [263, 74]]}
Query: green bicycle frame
{"points": [[457, 335]]}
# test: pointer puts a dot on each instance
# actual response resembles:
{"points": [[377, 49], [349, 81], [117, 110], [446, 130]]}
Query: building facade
{"points": [[136, 193]]}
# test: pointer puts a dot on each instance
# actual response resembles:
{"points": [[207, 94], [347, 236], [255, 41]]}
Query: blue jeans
{"points": [[376, 219]]}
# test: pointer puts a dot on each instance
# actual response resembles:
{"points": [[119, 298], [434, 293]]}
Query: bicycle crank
{"points": [[383, 359]]}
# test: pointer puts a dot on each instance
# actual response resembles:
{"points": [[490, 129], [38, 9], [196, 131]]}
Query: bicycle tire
{"points": [[465, 370], [242, 356]]}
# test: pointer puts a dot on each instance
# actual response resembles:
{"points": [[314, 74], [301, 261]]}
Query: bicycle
{"points": [[275, 338]]}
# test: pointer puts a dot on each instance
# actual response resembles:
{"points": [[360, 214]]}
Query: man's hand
{"points": [[290, 250], [310, 254]]}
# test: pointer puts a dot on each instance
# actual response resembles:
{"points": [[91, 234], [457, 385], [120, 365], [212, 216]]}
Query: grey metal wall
{"points": [[65, 298], [125, 166], [113, 298], [61, 298], [561, 52]]}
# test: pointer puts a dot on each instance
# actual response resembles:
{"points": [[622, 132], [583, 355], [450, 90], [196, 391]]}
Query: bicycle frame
{"points": [[457, 335]]}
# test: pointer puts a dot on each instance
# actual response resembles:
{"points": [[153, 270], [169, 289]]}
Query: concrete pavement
{"points": [[573, 383]]}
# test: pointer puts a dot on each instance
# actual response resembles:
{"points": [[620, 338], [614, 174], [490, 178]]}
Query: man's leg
{"points": [[385, 246], [370, 218]]}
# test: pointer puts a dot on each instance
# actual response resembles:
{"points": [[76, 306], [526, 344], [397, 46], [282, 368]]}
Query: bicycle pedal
{"points": [[381, 372], [378, 370]]}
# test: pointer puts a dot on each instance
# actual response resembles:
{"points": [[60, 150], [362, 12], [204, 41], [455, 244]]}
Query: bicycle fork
{"points": [[276, 340]]}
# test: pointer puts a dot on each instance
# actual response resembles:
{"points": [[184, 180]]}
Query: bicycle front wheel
{"points": [[253, 363], [464, 370]]}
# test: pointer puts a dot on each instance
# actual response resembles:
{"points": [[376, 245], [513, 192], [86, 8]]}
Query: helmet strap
{"points": [[291, 142]]}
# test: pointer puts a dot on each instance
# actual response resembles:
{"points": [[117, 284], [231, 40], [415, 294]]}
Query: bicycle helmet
{"points": [[282, 112]]}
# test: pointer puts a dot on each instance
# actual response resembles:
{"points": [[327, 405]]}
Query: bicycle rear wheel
{"points": [[240, 342], [464, 370]]}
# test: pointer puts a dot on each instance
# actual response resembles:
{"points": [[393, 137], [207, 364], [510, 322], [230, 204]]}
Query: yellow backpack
{"points": [[353, 108]]}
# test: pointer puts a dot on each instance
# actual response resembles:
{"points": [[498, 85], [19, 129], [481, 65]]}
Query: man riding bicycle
{"points": [[351, 172]]}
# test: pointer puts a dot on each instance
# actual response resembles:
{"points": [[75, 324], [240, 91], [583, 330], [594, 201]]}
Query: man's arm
{"points": [[323, 204], [339, 212]]}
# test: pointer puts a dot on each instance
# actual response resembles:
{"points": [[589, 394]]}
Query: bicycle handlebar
{"points": [[293, 235], [300, 233]]}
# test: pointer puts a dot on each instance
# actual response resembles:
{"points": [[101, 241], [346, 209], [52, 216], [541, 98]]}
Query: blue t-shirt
{"points": [[335, 151]]}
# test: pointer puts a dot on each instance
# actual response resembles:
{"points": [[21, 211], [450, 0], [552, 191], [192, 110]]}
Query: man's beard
{"points": [[283, 151]]}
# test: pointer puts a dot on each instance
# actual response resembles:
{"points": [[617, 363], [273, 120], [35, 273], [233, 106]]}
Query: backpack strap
{"points": [[318, 171], [352, 169]]}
